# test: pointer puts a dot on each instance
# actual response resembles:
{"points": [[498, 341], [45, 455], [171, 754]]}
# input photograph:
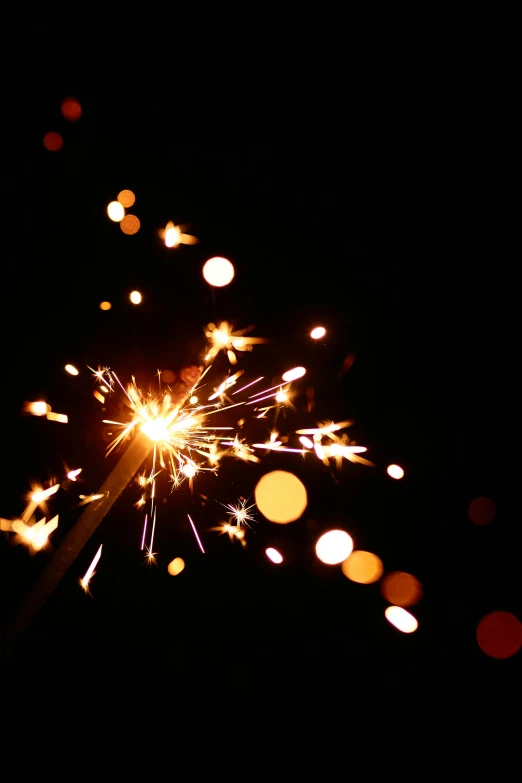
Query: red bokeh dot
{"points": [[499, 635], [71, 109], [53, 141], [481, 511]]}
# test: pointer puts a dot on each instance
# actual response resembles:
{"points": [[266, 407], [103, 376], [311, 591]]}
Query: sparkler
{"points": [[176, 431]]}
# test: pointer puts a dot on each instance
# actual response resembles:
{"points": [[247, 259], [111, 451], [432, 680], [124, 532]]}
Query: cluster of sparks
{"points": [[187, 439]]}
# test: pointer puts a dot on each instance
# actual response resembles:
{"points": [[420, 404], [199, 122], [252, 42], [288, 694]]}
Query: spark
{"points": [[88, 499], [173, 236], [240, 513], [36, 534], [196, 534], [84, 581], [234, 531], [223, 338], [150, 556], [73, 474]]}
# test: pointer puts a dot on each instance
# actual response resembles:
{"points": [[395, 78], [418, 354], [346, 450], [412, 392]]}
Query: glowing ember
{"points": [[218, 272], [318, 332], [71, 369], [274, 555]]}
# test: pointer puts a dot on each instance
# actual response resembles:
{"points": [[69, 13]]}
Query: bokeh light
{"points": [[274, 555], [482, 511], [126, 198], [189, 470], [395, 471], [281, 497], [135, 297], [168, 376], [38, 408], [172, 236], [401, 588], [115, 211], [176, 566], [71, 109], [71, 369], [293, 375], [105, 305], [130, 224], [318, 332], [499, 635], [218, 272], [363, 567], [52, 141], [401, 619], [333, 547]]}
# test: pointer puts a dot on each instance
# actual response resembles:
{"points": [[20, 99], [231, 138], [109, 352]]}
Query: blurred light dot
{"points": [[318, 332], [168, 376], [281, 397], [363, 567], [71, 369], [71, 109], [499, 635], [401, 619], [130, 224], [307, 443], [274, 555], [401, 588], [218, 272], [292, 375], [38, 408], [172, 236], [105, 305], [395, 471], [193, 400], [189, 470], [126, 198], [115, 211], [281, 497], [334, 547], [135, 297], [52, 141], [482, 511], [176, 566]]}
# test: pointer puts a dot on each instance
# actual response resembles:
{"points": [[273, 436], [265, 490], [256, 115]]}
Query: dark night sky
{"points": [[400, 260]]}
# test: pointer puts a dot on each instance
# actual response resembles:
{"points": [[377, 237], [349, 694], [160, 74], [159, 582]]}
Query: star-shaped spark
{"points": [[223, 338], [240, 513]]}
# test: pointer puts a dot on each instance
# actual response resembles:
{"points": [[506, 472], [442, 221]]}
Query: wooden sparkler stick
{"points": [[75, 540]]}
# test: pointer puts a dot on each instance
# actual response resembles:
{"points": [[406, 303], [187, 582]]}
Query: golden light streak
{"points": [[71, 369], [61, 417], [84, 582], [98, 396], [196, 534], [247, 386], [144, 532], [35, 535], [293, 375], [72, 474], [401, 619], [89, 498]]}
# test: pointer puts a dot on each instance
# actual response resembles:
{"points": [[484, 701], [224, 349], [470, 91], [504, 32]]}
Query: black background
{"points": [[400, 254]]}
